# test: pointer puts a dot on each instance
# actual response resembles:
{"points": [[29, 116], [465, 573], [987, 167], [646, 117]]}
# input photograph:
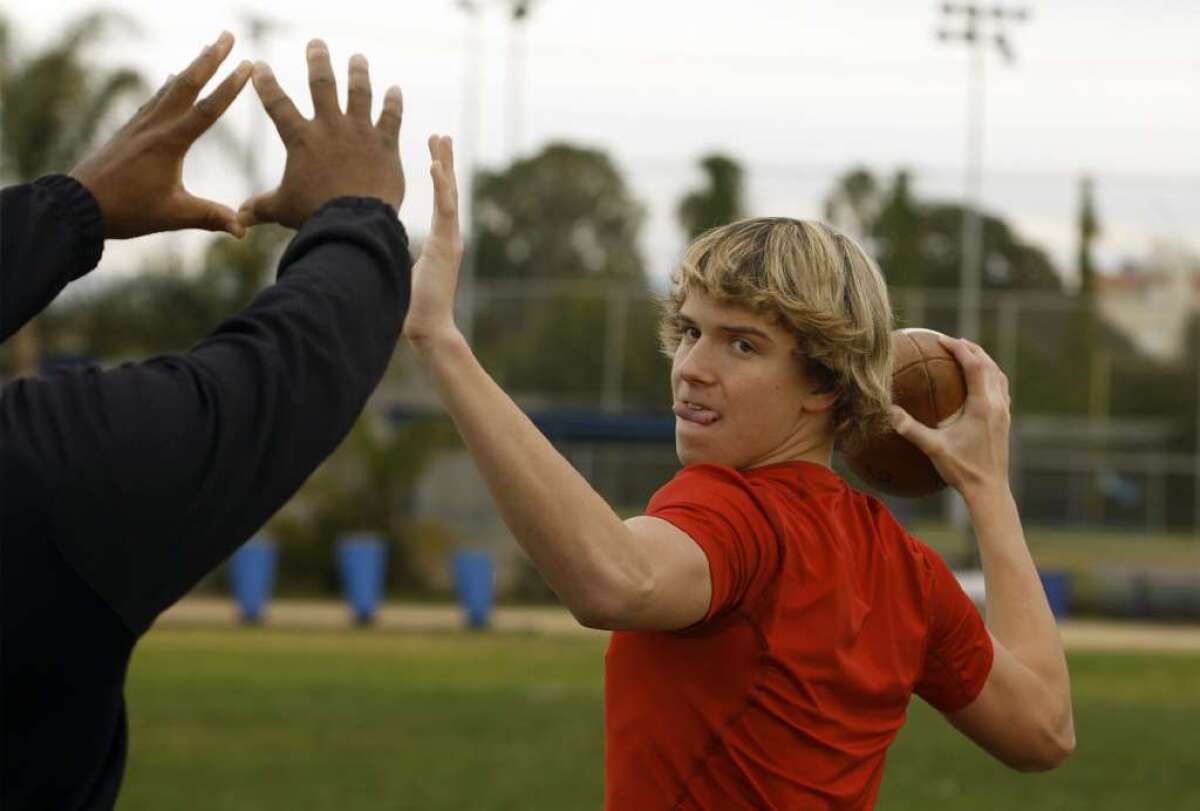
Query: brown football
{"points": [[928, 383]]}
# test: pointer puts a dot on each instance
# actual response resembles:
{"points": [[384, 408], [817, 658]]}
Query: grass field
{"points": [[1082, 549], [265, 719]]}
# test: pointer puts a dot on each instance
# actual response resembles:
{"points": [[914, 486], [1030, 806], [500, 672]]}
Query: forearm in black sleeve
{"points": [[51, 232], [164, 467]]}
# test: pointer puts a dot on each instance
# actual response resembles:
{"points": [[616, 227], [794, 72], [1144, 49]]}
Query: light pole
{"points": [[1196, 447], [517, 51], [468, 150], [981, 25], [469, 138]]}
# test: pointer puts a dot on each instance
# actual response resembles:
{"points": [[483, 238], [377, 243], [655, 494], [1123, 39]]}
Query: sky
{"points": [[799, 92]]}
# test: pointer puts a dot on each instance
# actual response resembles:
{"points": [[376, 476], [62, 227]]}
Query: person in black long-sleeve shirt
{"points": [[120, 489]]}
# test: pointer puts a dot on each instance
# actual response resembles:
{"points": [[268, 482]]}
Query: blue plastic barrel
{"points": [[1058, 591], [475, 579], [252, 570], [362, 562]]}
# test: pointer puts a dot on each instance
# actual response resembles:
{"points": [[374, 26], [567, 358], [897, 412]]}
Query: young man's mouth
{"points": [[694, 413]]}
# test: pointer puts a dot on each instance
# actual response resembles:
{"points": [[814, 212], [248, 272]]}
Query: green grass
{"points": [[264, 719], [1137, 720], [1079, 550]]}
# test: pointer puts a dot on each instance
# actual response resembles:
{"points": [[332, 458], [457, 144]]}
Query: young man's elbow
{"points": [[600, 616], [1062, 747], [613, 608], [1051, 752]]}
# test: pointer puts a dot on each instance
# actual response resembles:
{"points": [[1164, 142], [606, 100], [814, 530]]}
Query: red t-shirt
{"points": [[826, 617]]}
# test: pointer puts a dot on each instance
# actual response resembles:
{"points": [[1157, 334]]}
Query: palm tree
{"points": [[56, 106]]}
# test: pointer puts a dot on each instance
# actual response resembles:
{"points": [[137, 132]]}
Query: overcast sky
{"points": [[797, 91]]}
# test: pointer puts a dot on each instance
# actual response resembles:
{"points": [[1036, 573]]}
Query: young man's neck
{"points": [[817, 450]]}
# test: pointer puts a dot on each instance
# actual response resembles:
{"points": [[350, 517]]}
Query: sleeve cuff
{"points": [[358, 204], [78, 210]]}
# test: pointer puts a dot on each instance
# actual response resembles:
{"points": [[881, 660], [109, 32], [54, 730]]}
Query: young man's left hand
{"points": [[435, 276]]}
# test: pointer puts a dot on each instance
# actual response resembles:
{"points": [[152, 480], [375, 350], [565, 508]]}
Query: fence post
{"points": [[914, 306], [616, 323], [1156, 484], [1196, 451]]}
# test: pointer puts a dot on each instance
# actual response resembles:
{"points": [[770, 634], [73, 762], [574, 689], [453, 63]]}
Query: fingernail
{"points": [[317, 43], [261, 70], [358, 60], [244, 68]]}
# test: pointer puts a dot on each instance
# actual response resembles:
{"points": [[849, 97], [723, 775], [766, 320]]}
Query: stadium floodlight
{"points": [[469, 136], [976, 20], [517, 47]]}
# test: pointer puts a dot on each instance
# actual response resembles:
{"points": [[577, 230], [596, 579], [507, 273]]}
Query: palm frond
{"points": [[5, 49], [93, 27], [88, 125], [39, 97]]}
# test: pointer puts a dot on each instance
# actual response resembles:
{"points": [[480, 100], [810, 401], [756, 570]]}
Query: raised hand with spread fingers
{"points": [[137, 177], [334, 154]]}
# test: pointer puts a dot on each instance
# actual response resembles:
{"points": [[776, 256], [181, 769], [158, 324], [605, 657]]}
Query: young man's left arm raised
{"points": [[639, 573]]}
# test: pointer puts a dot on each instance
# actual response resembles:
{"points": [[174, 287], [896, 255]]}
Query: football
{"points": [[928, 383]]}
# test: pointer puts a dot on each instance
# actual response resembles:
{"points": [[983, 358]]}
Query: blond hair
{"points": [[813, 281]]}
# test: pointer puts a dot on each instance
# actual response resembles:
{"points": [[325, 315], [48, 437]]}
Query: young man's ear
{"points": [[818, 401]]}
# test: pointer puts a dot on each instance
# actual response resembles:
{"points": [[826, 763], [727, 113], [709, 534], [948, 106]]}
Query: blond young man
{"points": [[770, 623]]}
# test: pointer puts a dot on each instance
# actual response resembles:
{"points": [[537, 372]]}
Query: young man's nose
{"points": [[696, 364]]}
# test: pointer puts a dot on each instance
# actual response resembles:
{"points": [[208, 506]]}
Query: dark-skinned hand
{"points": [[335, 154], [137, 177]]}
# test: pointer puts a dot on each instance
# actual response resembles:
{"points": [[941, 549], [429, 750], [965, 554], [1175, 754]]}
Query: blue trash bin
{"points": [[362, 562], [1057, 585], [252, 570], [475, 579]]}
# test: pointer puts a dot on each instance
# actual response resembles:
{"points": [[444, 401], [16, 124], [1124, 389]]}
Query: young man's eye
{"points": [[690, 332], [743, 346]]}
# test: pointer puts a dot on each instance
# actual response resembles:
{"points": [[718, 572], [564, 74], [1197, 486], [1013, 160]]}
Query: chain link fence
{"points": [[1104, 435]]}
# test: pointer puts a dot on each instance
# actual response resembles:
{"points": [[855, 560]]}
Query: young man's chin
{"points": [[685, 451], [690, 452]]}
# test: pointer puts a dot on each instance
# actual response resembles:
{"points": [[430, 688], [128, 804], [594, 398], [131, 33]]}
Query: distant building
{"points": [[1152, 300]]}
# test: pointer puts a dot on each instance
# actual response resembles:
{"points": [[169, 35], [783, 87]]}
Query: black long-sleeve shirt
{"points": [[120, 489]]}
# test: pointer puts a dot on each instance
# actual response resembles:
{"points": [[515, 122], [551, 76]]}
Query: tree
{"points": [[1089, 230], [56, 105], [719, 202], [919, 244], [1009, 263], [562, 214], [564, 225], [854, 203], [162, 309], [367, 485], [899, 233]]}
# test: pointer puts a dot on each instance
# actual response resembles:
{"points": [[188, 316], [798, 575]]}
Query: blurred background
{"points": [[1025, 174]]}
